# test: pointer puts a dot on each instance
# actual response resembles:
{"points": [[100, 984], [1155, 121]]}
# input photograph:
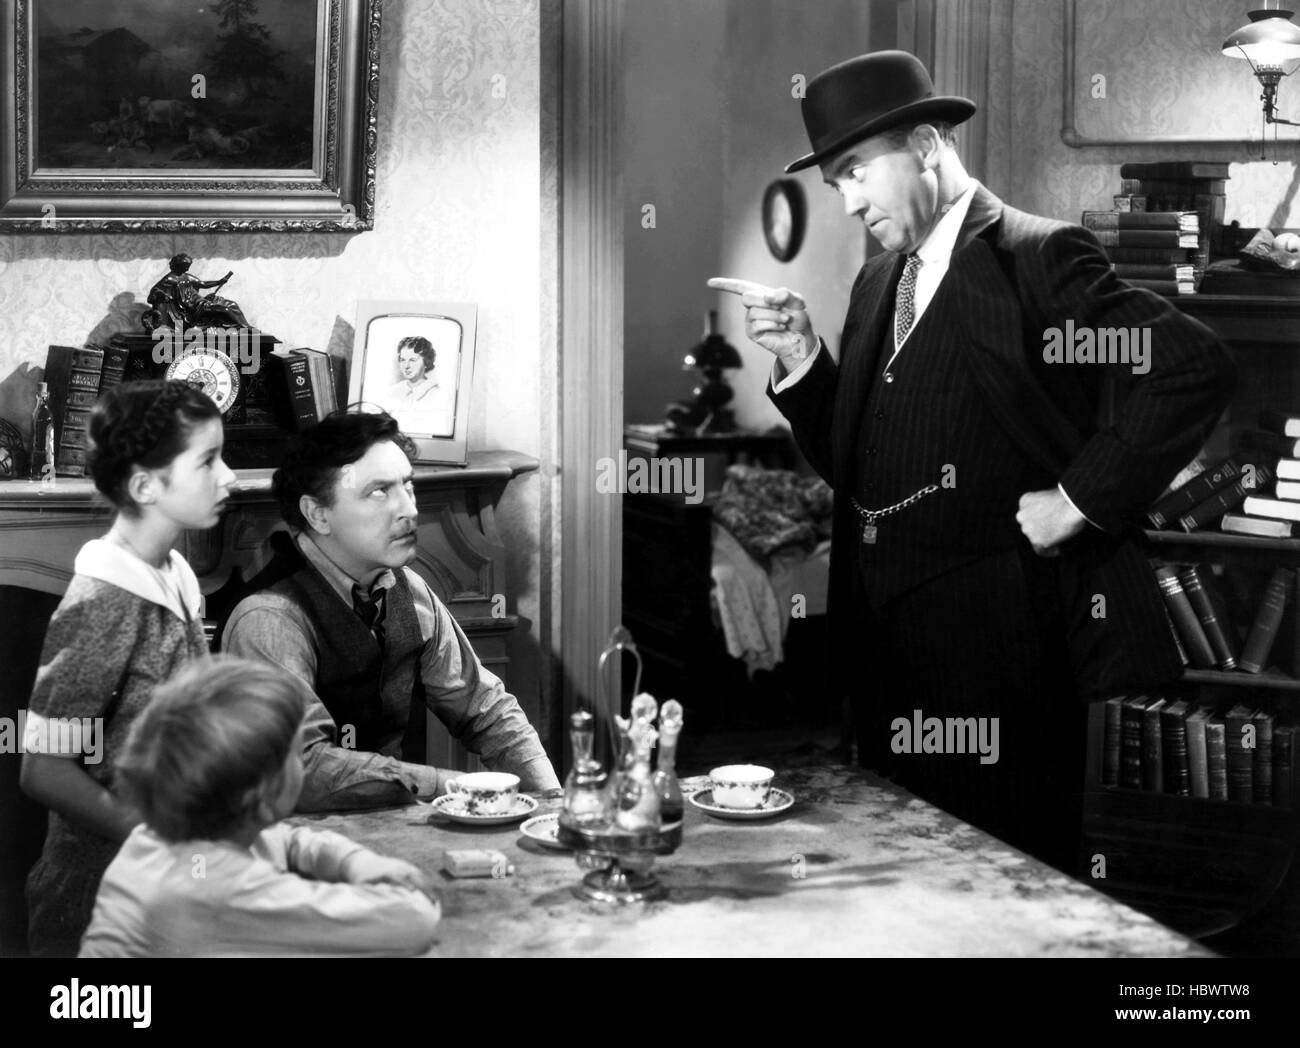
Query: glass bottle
{"points": [[586, 802], [42, 459], [638, 801], [669, 789]]}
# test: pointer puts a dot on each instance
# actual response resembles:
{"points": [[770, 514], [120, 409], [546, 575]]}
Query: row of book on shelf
{"points": [[1159, 234], [305, 385], [1168, 745]]}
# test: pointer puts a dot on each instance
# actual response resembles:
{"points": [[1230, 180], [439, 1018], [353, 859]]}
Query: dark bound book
{"points": [[1262, 766], [1179, 221], [1203, 594], [1270, 443], [1150, 256], [1163, 287], [1216, 758], [1173, 735], [1111, 741], [1153, 751], [1197, 767], [1188, 625], [1130, 767], [1163, 238], [1137, 271], [1254, 478], [1283, 761], [292, 390], [72, 374], [1182, 499], [1240, 750], [1175, 169], [1259, 643]]}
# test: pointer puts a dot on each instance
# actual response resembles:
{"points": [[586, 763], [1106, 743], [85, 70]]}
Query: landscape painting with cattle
{"points": [[149, 84]]}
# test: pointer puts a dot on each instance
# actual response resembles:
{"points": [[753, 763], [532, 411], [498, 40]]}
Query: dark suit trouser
{"points": [[983, 640]]}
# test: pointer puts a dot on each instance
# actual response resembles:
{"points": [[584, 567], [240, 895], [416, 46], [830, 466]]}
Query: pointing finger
{"points": [[739, 287]]}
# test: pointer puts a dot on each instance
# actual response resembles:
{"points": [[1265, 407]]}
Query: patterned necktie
{"points": [[371, 610], [905, 308]]}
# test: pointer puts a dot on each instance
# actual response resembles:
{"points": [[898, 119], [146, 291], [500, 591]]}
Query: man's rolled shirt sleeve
{"points": [[472, 701], [1163, 415]]}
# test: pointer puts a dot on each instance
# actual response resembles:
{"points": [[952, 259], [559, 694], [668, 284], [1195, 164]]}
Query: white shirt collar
{"points": [[340, 581], [109, 562], [937, 247]]}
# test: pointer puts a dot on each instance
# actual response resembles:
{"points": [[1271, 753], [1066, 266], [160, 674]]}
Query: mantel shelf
{"points": [[71, 493]]}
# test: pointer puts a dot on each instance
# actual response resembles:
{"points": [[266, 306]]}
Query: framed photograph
{"points": [[785, 217], [415, 360], [155, 116]]}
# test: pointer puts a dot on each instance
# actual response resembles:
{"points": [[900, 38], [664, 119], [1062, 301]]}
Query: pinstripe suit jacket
{"points": [[1011, 277]]}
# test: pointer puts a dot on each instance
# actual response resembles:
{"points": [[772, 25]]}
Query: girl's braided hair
{"points": [[141, 424]]}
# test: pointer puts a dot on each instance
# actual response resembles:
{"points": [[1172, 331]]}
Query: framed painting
{"points": [[154, 116], [415, 360]]}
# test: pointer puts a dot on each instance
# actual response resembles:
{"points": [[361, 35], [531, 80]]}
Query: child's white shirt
{"points": [[281, 896]]}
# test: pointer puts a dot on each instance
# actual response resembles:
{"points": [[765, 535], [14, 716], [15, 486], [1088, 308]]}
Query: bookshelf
{"points": [[1203, 866]]}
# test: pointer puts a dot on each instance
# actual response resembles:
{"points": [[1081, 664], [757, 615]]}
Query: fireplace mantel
{"points": [[459, 553]]}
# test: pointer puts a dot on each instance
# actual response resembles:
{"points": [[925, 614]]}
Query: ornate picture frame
{"points": [[237, 120], [785, 218], [415, 360]]}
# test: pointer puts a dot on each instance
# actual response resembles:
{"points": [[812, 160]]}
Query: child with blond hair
{"points": [[214, 764]]}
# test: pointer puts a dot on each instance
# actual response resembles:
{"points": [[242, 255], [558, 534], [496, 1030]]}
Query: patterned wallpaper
{"points": [[1050, 178], [458, 217]]}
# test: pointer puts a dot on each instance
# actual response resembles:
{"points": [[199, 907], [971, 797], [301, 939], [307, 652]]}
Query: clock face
{"points": [[212, 373]]}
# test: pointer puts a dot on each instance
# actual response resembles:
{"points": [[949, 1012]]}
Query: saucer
{"points": [[543, 829], [453, 807], [777, 802]]}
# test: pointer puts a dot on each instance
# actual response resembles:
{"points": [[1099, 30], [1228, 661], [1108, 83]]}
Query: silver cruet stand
{"points": [[619, 862]]}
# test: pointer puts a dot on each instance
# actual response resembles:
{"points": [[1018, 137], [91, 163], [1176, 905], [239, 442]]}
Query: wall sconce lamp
{"points": [[1266, 41]]}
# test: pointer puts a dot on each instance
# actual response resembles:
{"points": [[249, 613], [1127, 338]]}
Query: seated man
{"points": [[338, 607]]}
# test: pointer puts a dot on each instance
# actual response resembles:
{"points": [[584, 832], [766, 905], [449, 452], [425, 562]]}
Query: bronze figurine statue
{"points": [[175, 302]]}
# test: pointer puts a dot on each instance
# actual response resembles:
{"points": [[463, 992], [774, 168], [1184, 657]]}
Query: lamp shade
{"points": [[1269, 39], [715, 351]]}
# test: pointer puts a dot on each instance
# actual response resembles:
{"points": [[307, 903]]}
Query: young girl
{"points": [[214, 764], [129, 620]]}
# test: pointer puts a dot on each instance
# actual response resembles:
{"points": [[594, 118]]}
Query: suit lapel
{"points": [[990, 318], [860, 353]]}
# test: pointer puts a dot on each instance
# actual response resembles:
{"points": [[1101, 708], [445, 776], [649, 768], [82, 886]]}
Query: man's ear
{"points": [[926, 141], [315, 514], [142, 486]]}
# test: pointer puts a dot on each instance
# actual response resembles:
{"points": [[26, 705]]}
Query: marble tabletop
{"points": [[857, 867]]}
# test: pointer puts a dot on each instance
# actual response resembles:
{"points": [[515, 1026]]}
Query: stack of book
{"points": [[1167, 252], [307, 385], [76, 377], [1205, 628], [1272, 513], [1167, 745], [1211, 493]]}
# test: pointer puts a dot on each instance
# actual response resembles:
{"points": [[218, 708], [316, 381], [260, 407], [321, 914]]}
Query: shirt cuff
{"points": [[1076, 509], [795, 375]]}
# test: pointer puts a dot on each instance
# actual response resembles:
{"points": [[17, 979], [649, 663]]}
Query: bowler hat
{"points": [[870, 94]]}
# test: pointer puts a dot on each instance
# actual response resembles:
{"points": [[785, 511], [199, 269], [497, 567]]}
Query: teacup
{"points": [[486, 792], [741, 785]]}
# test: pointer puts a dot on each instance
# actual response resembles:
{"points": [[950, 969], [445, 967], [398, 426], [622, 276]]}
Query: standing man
{"points": [[984, 570], [339, 608]]}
